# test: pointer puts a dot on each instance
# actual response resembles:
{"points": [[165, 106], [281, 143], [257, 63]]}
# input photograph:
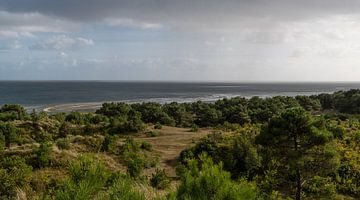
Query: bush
{"points": [[43, 155], [108, 144], [121, 188], [152, 133], [63, 143], [194, 128], [210, 181], [146, 146], [159, 179], [88, 176], [94, 142], [320, 187], [14, 173], [157, 126], [135, 164]]}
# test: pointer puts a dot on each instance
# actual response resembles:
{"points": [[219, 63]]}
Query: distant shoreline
{"points": [[93, 106]]}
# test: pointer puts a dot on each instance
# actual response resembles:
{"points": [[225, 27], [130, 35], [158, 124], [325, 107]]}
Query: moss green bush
{"points": [[159, 179]]}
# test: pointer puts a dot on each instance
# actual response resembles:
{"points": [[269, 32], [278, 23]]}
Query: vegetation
{"points": [[304, 147]]}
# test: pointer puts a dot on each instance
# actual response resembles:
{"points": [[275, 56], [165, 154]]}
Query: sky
{"points": [[180, 40]]}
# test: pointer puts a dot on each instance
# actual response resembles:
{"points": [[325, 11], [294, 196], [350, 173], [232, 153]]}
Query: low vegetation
{"points": [[304, 147]]}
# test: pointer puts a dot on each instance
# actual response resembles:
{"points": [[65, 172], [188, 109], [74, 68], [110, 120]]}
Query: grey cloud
{"points": [[185, 12]]}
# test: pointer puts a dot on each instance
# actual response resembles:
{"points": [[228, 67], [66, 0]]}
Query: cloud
{"points": [[15, 25], [131, 23], [186, 13], [12, 46], [62, 42]]}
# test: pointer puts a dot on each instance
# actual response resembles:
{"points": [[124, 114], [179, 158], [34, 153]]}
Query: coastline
{"points": [[93, 106]]}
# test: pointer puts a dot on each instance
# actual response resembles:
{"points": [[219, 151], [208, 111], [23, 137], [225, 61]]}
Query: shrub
{"points": [[9, 132], [135, 164], [87, 178], [194, 128], [43, 155], [146, 146], [122, 188], [210, 181], [157, 126], [320, 187], [152, 133], [94, 142], [75, 118], [159, 179], [63, 143], [108, 144], [14, 173]]}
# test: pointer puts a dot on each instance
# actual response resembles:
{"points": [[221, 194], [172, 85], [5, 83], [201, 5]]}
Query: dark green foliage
{"points": [[347, 102], [297, 143], [237, 154], [309, 104], [194, 128], [159, 180], [75, 118], [326, 100], [108, 144], [178, 112], [10, 112], [157, 125], [8, 132], [320, 188], [43, 155], [153, 113], [14, 173], [114, 109], [127, 124], [135, 164]]}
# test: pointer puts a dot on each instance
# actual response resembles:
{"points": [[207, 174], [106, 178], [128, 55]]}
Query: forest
{"points": [[303, 147]]}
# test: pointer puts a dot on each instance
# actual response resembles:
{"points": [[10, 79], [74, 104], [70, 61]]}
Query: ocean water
{"points": [[88, 95]]}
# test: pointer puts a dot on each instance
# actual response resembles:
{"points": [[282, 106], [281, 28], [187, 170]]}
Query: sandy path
{"points": [[170, 142]]}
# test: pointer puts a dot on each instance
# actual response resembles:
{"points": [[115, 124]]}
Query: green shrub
{"points": [[43, 155], [194, 128], [159, 179], [9, 132], [14, 173], [63, 143], [122, 188], [157, 126], [94, 142], [130, 146], [135, 164], [320, 187], [152, 133], [108, 144], [75, 118], [88, 176], [146, 146], [2, 141], [210, 181]]}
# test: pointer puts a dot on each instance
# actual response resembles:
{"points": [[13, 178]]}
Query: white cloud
{"points": [[62, 42], [15, 25], [12, 46], [131, 23]]}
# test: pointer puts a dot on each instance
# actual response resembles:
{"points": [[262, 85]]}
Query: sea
{"points": [[65, 96]]}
